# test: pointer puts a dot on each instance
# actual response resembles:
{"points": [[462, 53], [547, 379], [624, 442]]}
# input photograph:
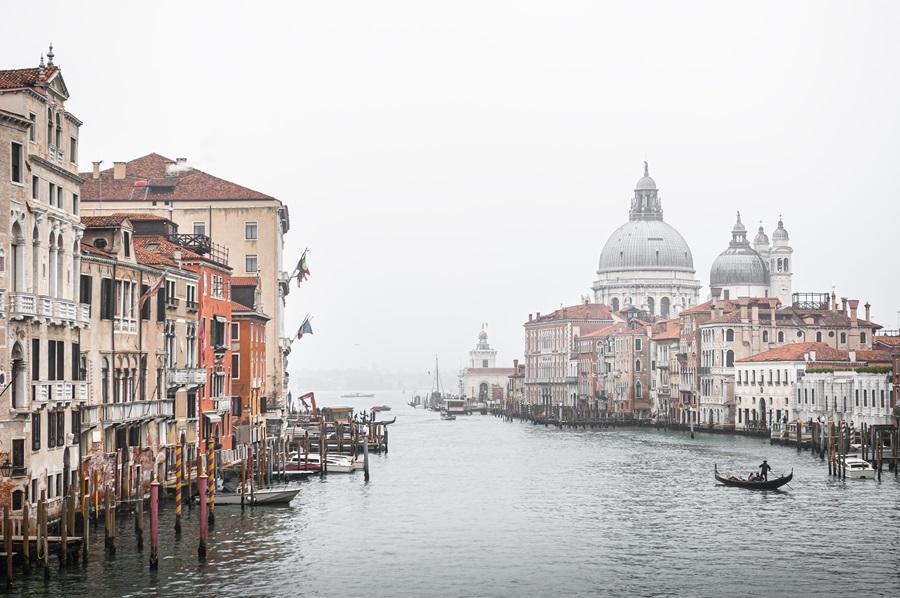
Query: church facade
{"points": [[481, 379]]}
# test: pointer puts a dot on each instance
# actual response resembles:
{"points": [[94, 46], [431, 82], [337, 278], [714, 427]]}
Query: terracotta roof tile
{"points": [[670, 330], [29, 77], [824, 353], [90, 249], [146, 178], [159, 251], [244, 281], [582, 311], [103, 221]]}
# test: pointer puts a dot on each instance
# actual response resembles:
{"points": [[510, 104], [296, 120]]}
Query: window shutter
{"points": [[86, 284], [76, 361], [161, 304], [51, 360], [145, 310], [106, 299], [60, 360], [35, 359]]}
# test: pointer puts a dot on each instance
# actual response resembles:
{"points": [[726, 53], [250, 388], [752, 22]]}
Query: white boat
{"points": [[278, 495], [859, 469], [447, 416]]}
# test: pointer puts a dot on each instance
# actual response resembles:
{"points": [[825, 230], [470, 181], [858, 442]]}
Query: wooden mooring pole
{"points": [[154, 523], [201, 548], [26, 537], [179, 479], [8, 544]]}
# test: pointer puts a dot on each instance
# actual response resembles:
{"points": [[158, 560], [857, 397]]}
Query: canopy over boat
{"points": [[759, 484]]}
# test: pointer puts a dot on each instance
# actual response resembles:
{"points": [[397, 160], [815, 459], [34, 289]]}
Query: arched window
{"points": [[664, 307], [765, 336], [651, 306], [779, 264], [729, 358], [780, 336], [818, 337], [729, 335], [638, 391], [104, 380], [637, 365], [35, 260], [786, 269], [19, 381], [615, 304], [843, 337], [18, 259]]}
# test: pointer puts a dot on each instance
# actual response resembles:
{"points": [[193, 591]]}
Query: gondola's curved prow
{"points": [[755, 485]]}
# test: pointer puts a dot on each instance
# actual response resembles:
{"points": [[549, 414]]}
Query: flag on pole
{"points": [[150, 292], [305, 328], [302, 271]]}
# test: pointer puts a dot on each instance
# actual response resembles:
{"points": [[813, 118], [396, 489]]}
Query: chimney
{"points": [[743, 312], [812, 355], [851, 355], [515, 366], [177, 256], [844, 305], [854, 307], [833, 301], [537, 316], [96, 173], [118, 170], [180, 161], [868, 308], [754, 314], [529, 317]]}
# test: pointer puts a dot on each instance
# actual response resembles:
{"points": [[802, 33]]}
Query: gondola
{"points": [[754, 485]]}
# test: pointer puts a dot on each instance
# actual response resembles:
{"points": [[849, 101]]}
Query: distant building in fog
{"points": [[481, 379]]}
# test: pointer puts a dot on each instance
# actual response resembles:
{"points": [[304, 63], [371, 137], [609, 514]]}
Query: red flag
{"points": [[152, 290]]}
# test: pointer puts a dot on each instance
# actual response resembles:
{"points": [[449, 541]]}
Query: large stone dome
{"points": [[739, 266], [646, 245]]}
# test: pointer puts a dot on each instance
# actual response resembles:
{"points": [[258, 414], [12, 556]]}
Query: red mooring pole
{"points": [[154, 523], [201, 549]]}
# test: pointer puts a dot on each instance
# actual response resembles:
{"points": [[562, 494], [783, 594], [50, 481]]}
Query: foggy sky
{"points": [[454, 164]]}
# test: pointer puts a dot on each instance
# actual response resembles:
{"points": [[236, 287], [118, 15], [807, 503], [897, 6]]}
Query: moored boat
{"points": [[858, 469], [755, 484], [278, 495]]}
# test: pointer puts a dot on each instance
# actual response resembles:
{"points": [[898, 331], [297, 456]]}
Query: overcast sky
{"points": [[454, 164]]}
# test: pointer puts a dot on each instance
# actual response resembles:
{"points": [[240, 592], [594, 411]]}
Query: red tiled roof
{"points": [[95, 251], [141, 216], [186, 184], [603, 332], [671, 331], [582, 311], [16, 78], [241, 308], [824, 353], [157, 251], [103, 221], [891, 341]]}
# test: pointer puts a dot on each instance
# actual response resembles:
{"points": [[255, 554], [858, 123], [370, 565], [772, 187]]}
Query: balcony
{"points": [[45, 308], [664, 390], [704, 370], [662, 364], [284, 281], [171, 302], [64, 311], [22, 305], [191, 305], [90, 416], [83, 315], [185, 376], [58, 390], [137, 410], [286, 345], [2, 302], [203, 245], [125, 325], [685, 387]]}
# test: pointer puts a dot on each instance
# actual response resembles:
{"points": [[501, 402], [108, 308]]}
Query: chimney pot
{"points": [[529, 317], [118, 170], [868, 308], [180, 161], [96, 173], [844, 305], [854, 308]]}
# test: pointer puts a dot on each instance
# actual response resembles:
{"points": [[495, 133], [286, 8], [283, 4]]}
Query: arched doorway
{"points": [[483, 391]]}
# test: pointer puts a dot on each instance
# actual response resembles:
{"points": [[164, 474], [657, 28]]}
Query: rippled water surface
{"points": [[482, 507]]}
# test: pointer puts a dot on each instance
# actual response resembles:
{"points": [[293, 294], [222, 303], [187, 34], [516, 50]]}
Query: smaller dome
{"points": [[645, 182], [761, 237], [739, 266], [780, 233]]}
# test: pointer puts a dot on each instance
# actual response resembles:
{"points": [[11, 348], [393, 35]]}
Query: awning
{"points": [[213, 417], [220, 319]]}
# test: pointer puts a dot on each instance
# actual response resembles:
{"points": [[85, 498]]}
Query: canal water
{"points": [[482, 507]]}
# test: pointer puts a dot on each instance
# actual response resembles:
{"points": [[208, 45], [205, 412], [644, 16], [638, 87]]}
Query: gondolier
{"points": [[764, 469]]}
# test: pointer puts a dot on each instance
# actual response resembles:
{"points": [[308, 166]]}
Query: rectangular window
{"points": [[75, 356], [235, 331], [75, 207], [51, 429], [85, 291], [15, 162], [126, 238], [145, 309], [35, 359], [250, 263], [235, 366], [18, 453], [51, 360], [250, 231], [36, 431], [59, 197], [161, 304], [199, 228], [637, 344], [191, 296], [217, 331], [60, 428], [35, 187], [32, 132], [73, 150], [51, 198]]}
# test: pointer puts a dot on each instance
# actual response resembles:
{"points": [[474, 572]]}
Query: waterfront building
{"points": [[515, 387], [251, 224], [589, 366], [842, 386], [664, 375], [248, 369], [627, 367], [40, 189], [646, 263], [481, 379], [128, 355], [745, 326], [550, 372], [759, 270]]}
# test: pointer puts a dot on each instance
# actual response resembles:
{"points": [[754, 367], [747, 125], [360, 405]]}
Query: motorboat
{"points": [[358, 395], [447, 416], [276, 495], [858, 469], [752, 484]]}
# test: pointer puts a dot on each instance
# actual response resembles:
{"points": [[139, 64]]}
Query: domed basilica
{"points": [[759, 270], [646, 263]]}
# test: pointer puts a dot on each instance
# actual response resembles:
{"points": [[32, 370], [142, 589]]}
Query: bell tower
{"points": [[781, 263]]}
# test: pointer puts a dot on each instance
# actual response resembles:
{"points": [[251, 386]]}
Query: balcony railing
{"points": [[90, 416], [125, 325], [172, 302], [2, 301], [45, 308], [22, 305], [685, 387], [284, 279], [84, 315], [137, 410], [59, 390], [191, 305], [184, 376], [64, 311], [704, 370], [203, 245]]}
